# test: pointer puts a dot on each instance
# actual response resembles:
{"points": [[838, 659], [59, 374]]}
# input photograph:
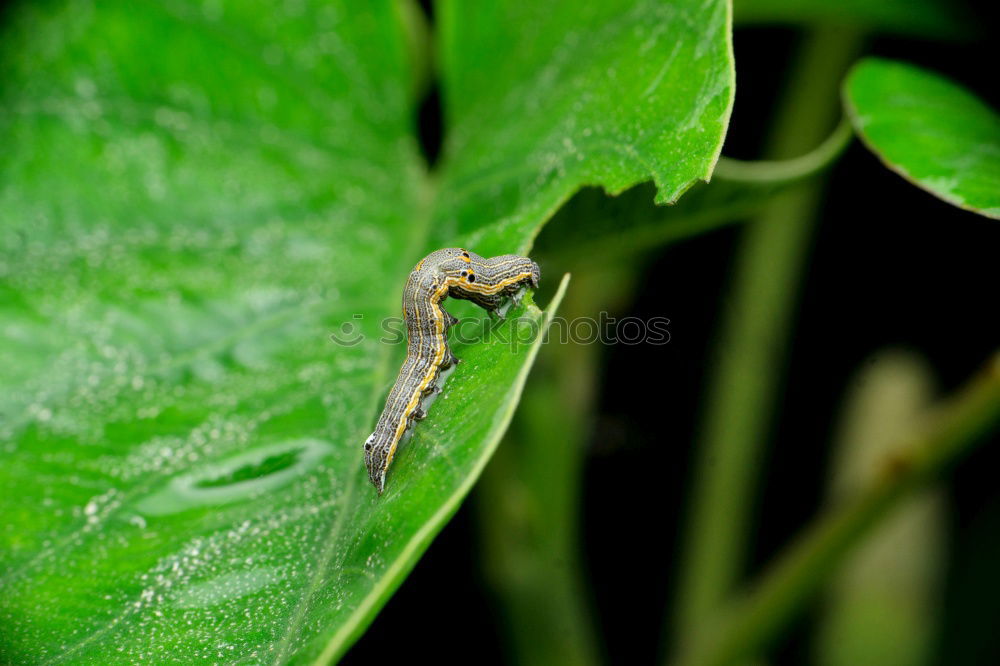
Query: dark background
{"points": [[891, 266]]}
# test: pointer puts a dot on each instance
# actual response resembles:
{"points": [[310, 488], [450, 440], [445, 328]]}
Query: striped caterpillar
{"points": [[451, 272]]}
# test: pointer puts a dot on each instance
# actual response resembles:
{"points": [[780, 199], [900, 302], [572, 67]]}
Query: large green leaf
{"points": [[193, 198], [929, 130]]}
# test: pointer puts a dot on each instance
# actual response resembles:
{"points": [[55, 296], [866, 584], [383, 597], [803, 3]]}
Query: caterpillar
{"points": [[454, 272]]}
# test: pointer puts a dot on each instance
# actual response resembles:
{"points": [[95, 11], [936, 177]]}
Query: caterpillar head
{"points": [[375, 462], [457, 265]]}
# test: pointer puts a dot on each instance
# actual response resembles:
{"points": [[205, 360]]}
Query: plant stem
{"points": [[750, 355], [796, 168], [746, 625]]}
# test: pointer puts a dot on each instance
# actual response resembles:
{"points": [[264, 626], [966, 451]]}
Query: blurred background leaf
{"points": [[931, 131]]}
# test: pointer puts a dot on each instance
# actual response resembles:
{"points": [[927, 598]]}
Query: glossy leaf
{"points": [[195, 200], [931, 131]]}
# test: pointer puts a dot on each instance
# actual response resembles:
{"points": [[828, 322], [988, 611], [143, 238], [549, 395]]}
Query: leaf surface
{"points": [[194, 199]]}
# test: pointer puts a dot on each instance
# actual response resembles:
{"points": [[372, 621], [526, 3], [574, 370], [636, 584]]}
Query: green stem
{"points": [[745, 626], [785, 171], [751, 350]]}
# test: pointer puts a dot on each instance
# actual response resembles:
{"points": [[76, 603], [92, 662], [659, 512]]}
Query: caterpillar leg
{"points": [[449, 360], [511, 300], [517, 295]]}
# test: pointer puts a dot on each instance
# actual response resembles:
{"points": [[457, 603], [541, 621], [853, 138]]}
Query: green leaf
{"points": [[929, 130], [194, 197], [604, 93], [927, 18]]}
